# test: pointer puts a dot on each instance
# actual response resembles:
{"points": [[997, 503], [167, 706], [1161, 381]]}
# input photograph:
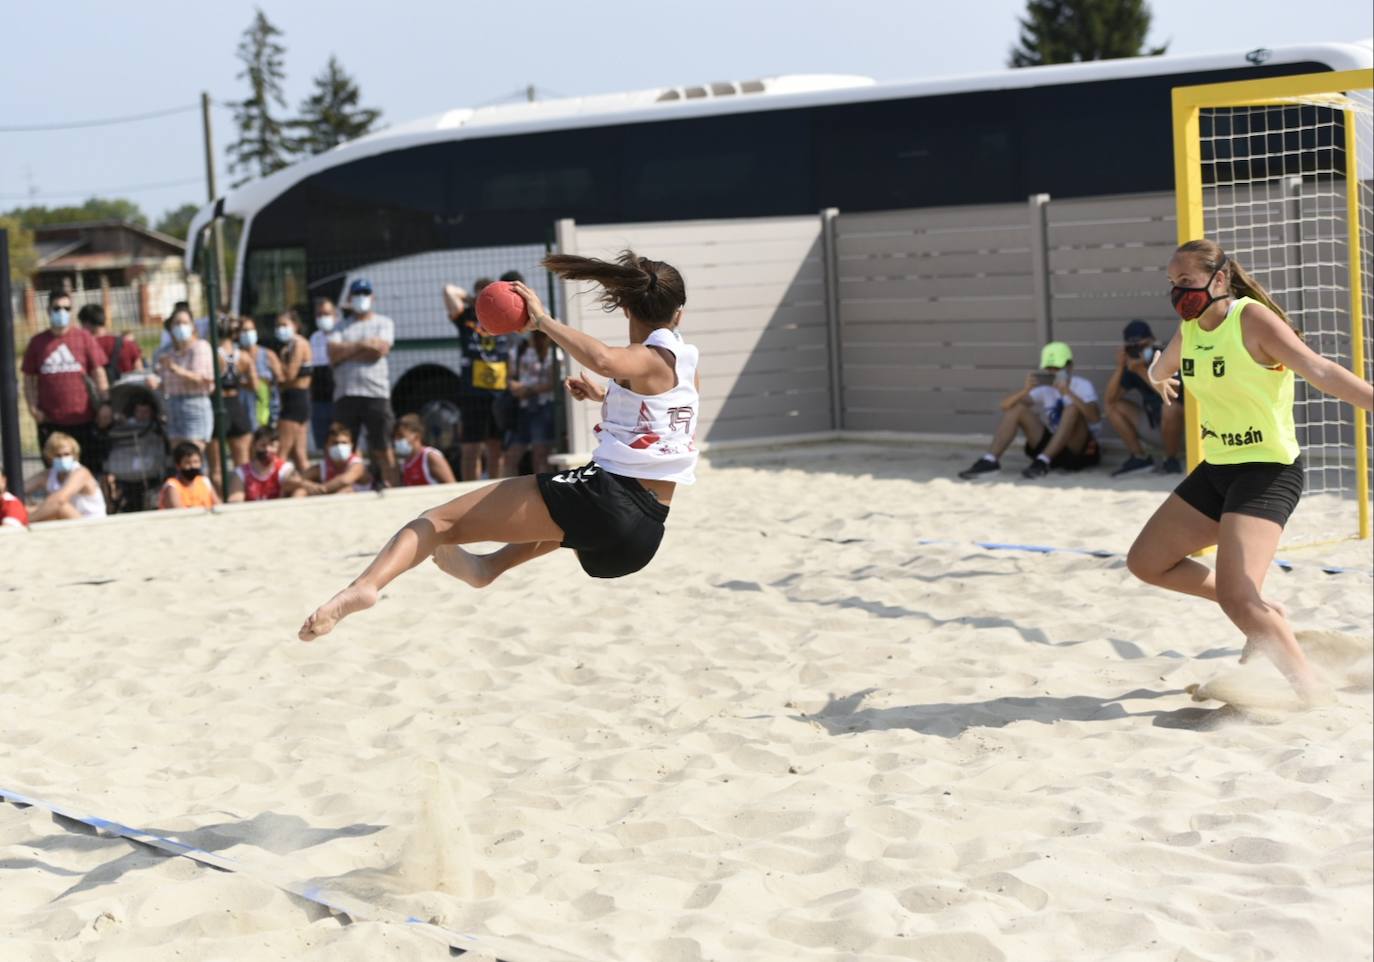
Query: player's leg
{"points": [[1245, 552], [511, 511], [1160, 554], [480, 570]]}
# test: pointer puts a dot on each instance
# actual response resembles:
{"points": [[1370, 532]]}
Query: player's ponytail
{"points": [[1241, 284], [652, 291]]}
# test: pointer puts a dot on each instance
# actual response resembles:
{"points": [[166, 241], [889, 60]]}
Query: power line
{"points": [[92, 191], [104, 122]]}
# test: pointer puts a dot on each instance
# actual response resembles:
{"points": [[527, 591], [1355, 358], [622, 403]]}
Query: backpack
{"points": [[112, 365]]}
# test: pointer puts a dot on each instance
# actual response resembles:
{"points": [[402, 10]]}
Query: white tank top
{"points": [[652, 436], [86, 505]]}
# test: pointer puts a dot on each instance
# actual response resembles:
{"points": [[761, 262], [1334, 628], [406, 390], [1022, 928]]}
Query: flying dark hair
{"points": [[652, 291]]}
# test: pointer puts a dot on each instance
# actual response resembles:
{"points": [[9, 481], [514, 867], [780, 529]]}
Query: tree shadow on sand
{"points": [[268, 831], [845, 715]]}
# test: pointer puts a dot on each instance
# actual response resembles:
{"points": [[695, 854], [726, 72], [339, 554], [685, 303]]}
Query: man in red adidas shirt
{"points": [[56, 365]]}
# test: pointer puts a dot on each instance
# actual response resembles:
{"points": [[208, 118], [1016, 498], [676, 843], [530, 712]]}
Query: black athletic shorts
{"points": [[478, 422], [1263, 489], [613, 523], [370, 413], [237, 424], [1067, 460], [295, 405]]}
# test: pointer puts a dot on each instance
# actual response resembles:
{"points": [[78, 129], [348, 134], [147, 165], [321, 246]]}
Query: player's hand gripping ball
{"points": [[500, 309]]}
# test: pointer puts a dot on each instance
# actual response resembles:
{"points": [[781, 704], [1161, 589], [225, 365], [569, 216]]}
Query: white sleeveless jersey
{"points": [[652, 436]]}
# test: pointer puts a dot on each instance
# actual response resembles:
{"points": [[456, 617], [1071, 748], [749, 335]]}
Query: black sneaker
{"points": [[981, 467], [1037, 469], [1171, 466], [1134, 463]]}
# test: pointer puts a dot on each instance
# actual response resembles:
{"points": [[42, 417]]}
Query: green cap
{"points": [[1055, 354]]}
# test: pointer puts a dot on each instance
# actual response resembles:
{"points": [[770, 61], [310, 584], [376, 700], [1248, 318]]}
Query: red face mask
{"points": [[1192, 302]]}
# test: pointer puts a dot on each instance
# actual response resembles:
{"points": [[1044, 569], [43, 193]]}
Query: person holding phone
{"points": [[1135, 410], [1058, 413]]}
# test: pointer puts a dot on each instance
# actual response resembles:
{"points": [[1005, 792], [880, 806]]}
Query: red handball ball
{"points": [[500, 309]]}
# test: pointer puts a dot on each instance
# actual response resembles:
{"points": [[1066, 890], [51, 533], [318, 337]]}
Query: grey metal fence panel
{"points": [[755, 307], [937, 315]]}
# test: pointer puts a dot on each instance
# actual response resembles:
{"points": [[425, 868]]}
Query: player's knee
{"points": [[1239, 599], [1144, 564]]}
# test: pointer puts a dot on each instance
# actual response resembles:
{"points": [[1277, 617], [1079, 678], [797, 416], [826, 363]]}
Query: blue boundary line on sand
{"points": [[1281, 563], [336, 903]]}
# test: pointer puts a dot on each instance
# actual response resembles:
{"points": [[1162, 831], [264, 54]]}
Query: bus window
{"points": [[276, 281]]}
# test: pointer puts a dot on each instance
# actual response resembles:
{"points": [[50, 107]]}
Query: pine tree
{"points": [[1069, 31], [331, 116], [262, 146]]}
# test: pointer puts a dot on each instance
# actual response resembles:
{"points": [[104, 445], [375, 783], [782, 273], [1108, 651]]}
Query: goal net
{"points": [[1278, 172]]}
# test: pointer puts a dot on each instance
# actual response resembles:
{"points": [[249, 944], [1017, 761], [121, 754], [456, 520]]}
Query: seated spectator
{"points": [[188, 488], [71, 490], [341, 469], [1134, 408], [533, 387], [419, 464], [1058, 413], [266, 474], [13, 514], [121, 351]]}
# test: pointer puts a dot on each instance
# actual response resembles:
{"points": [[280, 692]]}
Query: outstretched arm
{"points": [[1281, 344]]}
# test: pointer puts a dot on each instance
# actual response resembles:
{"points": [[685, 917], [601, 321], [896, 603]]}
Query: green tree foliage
{"points": [[331, 115], [263, 146], [177, 222], [23, 256], [95, 208], [1069, 31]]}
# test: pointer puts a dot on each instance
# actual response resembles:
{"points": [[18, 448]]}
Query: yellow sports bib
{"points": [[489, 375], [1246, 409]]}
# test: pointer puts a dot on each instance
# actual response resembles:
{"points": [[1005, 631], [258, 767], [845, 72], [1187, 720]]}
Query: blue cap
{"points": [[361, 286], [1137, 331]]}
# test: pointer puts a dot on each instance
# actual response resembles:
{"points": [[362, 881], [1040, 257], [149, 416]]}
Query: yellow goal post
{"points": [[1280, 172]]}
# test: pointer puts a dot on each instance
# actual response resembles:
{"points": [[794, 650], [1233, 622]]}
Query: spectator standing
{"points": [[1134, 408], [188, 380], [1058, 413], [486, 360], [419, 464], [189, 487], [122, 353], [267, 368], [296, 373], [362, 381], [13, 513], [321, 374], [238, 382], [535, 369], [263, 477], [71, 490], [64, 378]]}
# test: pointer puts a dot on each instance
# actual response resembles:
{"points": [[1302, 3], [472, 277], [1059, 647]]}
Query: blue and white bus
{"points": [[425, 202]]}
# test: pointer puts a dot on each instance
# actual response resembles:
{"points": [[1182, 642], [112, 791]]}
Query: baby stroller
{"points": [[137, 456]]}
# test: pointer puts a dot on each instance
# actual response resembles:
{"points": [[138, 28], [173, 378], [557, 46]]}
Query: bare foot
{"points": [[463, 565], [352, 599]]}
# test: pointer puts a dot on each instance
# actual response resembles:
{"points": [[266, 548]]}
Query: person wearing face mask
{"points": [[362, 382], [238, 378], [296, 372], [188, 488], [321, 374], [267, 370], [419, 464], [1238, 354], [71, 490], [64, 377], [340, 470], [266, 475], [1134, 408], [187, 379]]}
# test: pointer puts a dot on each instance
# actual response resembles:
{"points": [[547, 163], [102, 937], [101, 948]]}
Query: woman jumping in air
{"points": [[611, 510], [1237, 352]]}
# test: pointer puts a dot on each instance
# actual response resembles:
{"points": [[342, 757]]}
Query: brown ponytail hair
{"points": [[1240, 283], [652, 291]]}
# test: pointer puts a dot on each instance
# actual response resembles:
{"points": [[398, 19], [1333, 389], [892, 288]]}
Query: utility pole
{"points": [[529, 93], [217, 228]]}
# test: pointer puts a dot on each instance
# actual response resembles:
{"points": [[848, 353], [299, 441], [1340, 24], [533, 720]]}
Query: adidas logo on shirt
{"points": [[61, 361]]}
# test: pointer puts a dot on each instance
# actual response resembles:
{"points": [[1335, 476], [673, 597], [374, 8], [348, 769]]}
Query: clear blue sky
{"points": [[88, 59]]}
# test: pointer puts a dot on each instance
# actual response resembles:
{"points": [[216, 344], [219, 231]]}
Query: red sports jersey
{"points": [[416, 470], [258, 487], [327, 472], [13, 514]]}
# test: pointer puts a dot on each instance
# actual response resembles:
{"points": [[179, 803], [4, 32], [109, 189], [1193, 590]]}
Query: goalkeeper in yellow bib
{"points": [[1237, 352]]}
